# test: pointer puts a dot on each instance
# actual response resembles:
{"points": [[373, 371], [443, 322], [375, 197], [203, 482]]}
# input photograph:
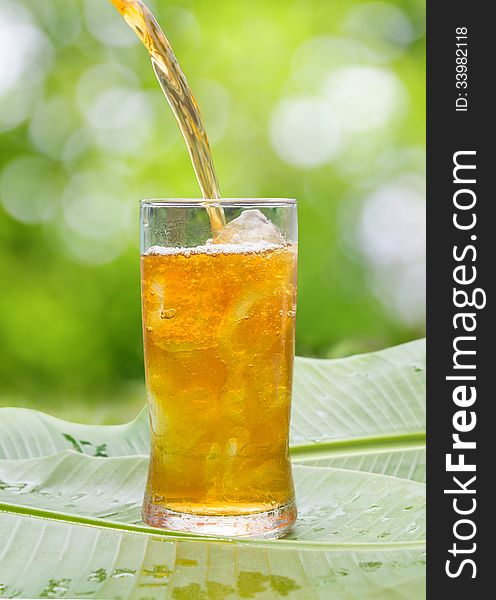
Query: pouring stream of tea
{"points": [[180, 98]]}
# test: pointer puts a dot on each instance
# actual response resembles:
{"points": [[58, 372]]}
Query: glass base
{"points": [[269, 524]]}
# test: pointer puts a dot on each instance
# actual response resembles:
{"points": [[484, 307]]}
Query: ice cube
{"points": [[251, 227]]}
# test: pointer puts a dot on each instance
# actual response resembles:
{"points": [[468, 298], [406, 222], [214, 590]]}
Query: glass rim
{"points": [[223, 202]]}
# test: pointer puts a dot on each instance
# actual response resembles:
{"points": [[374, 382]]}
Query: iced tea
{"points": [[219, 323]]}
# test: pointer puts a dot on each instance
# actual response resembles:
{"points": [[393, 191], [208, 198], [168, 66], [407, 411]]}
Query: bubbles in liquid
{"points": [[212, 249]]}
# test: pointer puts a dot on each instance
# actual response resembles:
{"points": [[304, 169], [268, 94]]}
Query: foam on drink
{"points": [[214, 249]]}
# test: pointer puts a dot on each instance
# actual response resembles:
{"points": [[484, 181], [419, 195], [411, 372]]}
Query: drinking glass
{"points": [[219, 330]]}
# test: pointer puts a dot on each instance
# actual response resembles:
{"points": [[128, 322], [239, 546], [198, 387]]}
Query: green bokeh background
{"points": [[318, 100]]}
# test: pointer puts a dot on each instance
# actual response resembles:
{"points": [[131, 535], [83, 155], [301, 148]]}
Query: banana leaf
{"points": [[70, 498]]}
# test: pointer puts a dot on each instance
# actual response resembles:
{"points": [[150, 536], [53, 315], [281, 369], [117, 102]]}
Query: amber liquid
{"points": [[180, 98], [219, 345], [218, 326]]}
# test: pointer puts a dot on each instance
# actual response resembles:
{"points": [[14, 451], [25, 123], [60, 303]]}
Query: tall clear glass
{"points": [[219, 330]]}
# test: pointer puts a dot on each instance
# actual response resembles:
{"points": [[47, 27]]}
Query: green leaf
{"points": [[70, 516], [28, 433]]}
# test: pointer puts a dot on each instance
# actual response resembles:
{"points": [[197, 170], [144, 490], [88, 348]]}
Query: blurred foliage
{"points": [[322, 101]]}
